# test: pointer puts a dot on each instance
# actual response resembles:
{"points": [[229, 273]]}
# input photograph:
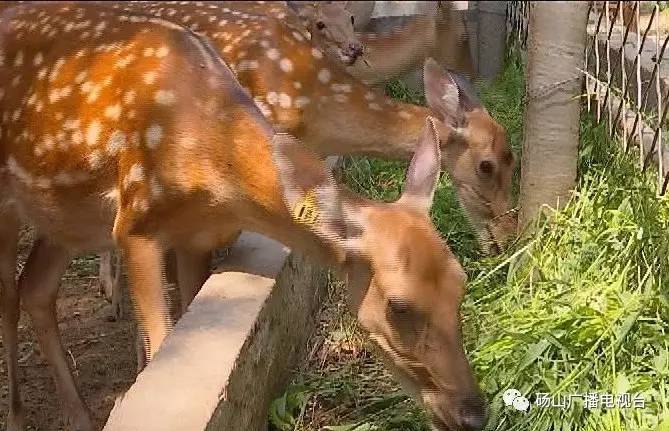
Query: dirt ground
{"points": [[102, 352]]}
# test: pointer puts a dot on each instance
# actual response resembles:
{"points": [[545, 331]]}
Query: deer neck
{"points": [[297, 88]]}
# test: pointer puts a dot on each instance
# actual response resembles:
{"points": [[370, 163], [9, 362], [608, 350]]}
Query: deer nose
{"points": [[472, 413], [355, 49]]}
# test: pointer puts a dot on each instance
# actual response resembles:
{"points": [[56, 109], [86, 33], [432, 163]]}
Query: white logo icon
{"points": [[513, 398]]}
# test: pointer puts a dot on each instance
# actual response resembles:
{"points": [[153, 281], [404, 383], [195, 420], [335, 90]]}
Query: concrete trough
{"points": [[233, 351]]}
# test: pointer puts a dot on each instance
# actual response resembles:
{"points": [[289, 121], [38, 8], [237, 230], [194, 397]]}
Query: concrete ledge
{"points": [[233, 351]]}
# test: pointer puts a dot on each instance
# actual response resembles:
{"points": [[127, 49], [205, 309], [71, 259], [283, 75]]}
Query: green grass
{"points": [[580, 306]]}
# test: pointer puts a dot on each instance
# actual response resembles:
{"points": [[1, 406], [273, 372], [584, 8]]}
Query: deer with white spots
{"points": [[129, 131], [442, 35], [302, 91]]}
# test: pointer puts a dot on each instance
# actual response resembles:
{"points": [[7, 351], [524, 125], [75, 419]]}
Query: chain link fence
{"points": [[626, 77]]}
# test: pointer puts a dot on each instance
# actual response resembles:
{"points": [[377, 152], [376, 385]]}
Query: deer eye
{"points": [[487, 167], [399, 307], [320, 25]]}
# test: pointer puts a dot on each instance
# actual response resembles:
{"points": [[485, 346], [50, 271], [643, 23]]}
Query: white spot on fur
{"points": [[162, 52], [150, 77], [37, 60], [155, 187], [135, 175], [165, 97], [95, 159], [129, 97], [302, 101], [140, 205], [272, 98], [154, 134], [247, 65], [273, 54], [117, 142], [113, 112], [18, 60], [125, 61], [93, 132], [324, 76], [286, 65], [71, 124], [59, 93], [316, 53], [375, 106], [285, 101], [341, 88], [298, 37], [369, 96], [80, 77], [18, 171]]}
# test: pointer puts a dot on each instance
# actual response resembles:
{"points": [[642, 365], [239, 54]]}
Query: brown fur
{"points": [[174, 151], [341, 115], [441, 35]]}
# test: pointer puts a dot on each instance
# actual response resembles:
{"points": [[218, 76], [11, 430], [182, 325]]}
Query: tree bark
{"points": [[556, 52]]}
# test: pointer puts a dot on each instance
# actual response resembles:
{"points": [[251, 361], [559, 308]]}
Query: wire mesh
{"points": [[626, 85]]}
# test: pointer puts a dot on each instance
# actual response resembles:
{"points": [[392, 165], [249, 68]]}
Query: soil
{"points": [[102, 352]]}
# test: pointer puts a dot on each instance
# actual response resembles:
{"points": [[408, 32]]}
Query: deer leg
{"points": [[105, 277], [193, 268], [109, 279], [38, 287], [192, 272], [144, 260], [9, 235], [116, 293]]}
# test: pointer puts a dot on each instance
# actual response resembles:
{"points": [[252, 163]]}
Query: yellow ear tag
{"points": [[306, 210]]}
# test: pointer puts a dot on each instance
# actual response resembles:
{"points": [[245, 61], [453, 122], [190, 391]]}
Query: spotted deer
{"points": [[302, 91], [130, 131], [441, 35]]}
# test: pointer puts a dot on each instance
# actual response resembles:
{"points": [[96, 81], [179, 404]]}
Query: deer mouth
{"points": [[349, 55], [348, 59]]}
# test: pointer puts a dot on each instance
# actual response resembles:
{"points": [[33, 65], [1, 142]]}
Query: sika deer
{"points": [[331, 22], [160, 147], [442, 35]]}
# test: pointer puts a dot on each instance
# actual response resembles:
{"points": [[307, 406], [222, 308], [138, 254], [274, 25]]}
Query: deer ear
{"points": [[311, 194], [304, 9], [423, 173], [442, 94], [469, 99]]}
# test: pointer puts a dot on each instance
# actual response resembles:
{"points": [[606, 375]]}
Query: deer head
{"points": [[331, 27], [477, 155], [405, 286]]}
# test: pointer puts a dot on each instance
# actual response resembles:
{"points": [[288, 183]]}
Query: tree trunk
{"points": [[556, 52]]}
